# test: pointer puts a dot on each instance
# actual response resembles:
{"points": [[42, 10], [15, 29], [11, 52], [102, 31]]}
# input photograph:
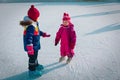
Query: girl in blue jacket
{"points": [[31, 36]]}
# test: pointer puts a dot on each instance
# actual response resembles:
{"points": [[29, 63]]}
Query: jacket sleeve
{"points": [[41, 33], [29, 35], [73, 38], [58, 35]]}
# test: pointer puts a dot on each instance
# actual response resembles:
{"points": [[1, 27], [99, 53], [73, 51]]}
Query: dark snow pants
{"points": [[33, 62]]}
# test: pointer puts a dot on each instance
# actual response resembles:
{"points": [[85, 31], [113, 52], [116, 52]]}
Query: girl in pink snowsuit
{"points": [[67, 36]]}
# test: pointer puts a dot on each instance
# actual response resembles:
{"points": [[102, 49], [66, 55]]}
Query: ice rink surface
{"points": [[97, 52]]}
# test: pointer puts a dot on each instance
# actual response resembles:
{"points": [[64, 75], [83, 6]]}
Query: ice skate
{"points": [[34, 74], [61, 59], [39, 67], [68, 60]]}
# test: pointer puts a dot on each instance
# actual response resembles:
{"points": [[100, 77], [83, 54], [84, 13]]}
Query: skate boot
{"points": [[39, 67], [61, 59], [35, 74], [68, 60]]}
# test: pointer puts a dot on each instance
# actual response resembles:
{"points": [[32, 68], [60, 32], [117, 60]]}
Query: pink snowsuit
{"points": [[67, 36]]}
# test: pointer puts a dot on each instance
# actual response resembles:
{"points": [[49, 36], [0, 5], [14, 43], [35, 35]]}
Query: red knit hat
{"points": [[66, 16], [33, 13]]}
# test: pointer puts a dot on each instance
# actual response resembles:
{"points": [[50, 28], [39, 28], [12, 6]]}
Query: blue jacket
{"points": [[32, 36]]}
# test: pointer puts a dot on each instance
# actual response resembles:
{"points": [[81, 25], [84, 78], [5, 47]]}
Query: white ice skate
{"points": [[61, 59], [68, 60]]}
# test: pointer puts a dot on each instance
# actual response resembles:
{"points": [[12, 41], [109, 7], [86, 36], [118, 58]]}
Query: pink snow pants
{"points": [[66, 51]]}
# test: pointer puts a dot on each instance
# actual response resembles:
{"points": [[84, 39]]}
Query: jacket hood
{"points": [[25, 23]]}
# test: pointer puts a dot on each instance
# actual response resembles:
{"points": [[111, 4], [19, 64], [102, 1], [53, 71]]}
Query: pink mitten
{"points": [[30, 49]]}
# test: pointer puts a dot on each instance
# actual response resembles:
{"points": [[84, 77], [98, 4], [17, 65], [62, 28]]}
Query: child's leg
{"points": [[62, 58], [33, 61], [70, 56], [71, 53], [62, 51], [62, 54], [38, 66], [36, 55]]}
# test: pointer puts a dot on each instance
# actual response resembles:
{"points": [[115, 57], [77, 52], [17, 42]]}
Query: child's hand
{"points": [[56, 42], [46, 35], [30, 49]]}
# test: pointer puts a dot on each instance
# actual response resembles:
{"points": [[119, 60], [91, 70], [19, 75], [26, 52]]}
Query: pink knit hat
{"points": [[33, 13], [66, 16]]}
